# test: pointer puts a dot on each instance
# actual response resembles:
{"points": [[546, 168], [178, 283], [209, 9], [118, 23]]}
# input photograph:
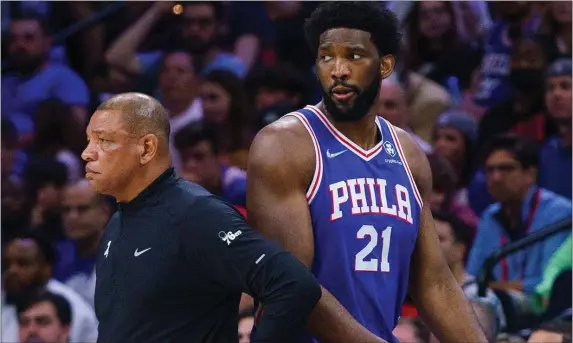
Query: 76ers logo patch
{"points": [[389, 147]]}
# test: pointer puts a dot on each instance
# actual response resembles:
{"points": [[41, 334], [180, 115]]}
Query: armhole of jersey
{"points": [[405, 165], [318, 165]]}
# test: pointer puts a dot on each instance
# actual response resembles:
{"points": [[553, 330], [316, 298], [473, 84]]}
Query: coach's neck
{"points": [[141, 179]]}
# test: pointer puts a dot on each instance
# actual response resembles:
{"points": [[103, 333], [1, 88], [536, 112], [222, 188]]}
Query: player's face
{"points": [[23, 267], [40, 323], [558, 98], [506, 179], [350, 71], [112, 154]]}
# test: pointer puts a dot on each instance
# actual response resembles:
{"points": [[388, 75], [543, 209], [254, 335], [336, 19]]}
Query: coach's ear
{"points": [[148, 145], [387, 65]]}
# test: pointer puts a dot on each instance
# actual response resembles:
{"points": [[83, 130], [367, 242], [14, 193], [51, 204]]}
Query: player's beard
{"points": [[362, 104]]}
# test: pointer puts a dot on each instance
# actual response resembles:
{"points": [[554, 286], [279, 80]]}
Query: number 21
{"points": [[371, 265]]}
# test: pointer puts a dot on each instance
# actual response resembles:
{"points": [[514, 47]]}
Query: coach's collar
{"points": [[150, 193]]}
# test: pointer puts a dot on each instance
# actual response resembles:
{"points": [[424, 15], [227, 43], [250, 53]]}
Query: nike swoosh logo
{"points": [[330, 155], [137, 253]]}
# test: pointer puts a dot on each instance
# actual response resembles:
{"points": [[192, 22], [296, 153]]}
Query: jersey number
{"points": [[371, 265]]}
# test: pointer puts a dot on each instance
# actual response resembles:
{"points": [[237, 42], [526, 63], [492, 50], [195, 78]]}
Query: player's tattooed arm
{"points": [[433, 288], [281, 165]]}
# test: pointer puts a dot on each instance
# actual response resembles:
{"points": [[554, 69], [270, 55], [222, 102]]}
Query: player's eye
{"points": [[356, 57], [325, 58]]}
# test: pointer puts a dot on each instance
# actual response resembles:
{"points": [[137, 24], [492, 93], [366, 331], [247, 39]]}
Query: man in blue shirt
{"points": [[511, 164], [555, 159], [199, 147], [33, 79]]}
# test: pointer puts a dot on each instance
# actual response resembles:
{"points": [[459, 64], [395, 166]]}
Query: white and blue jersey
{"points": [[365, 210]]}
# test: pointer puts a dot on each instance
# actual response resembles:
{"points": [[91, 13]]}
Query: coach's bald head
{"points": [[141, 113], [128, 145]]}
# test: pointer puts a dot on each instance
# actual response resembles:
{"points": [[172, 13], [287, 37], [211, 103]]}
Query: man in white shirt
{"points": [[44, 317], [28, 261]]}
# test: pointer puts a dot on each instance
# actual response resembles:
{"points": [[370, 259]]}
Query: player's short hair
{"points": [[62, 306], [368, 16], [462, 233], [523, 149]]}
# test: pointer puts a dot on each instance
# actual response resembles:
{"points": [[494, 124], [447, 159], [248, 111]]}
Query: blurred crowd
{"points": [[484, 87]]}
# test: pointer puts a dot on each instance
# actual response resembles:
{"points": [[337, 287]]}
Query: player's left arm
{"points": [[437, 295]]}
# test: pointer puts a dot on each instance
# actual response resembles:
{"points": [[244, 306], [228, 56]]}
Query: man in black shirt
{"points": [[174, 259]]}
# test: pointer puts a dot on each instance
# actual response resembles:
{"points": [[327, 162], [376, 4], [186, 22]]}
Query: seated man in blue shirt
{"points": [[511, 165], [198, 147], [555, 158], [32, 79]]}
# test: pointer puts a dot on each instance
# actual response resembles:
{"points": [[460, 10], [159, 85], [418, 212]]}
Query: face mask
{"points": [[527, 80]]}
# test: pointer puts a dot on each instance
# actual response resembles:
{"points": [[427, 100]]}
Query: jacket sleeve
{"points": [[235, 255]]}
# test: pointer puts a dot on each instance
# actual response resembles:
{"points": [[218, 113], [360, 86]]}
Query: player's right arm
{"points": [[280, 169]]}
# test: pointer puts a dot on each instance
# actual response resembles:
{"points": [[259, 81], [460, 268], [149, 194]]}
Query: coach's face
{"points": [[112, 153], [350, 69]]}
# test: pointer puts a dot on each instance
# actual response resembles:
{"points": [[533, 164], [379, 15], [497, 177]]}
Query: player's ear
{"points": [[387, 65], [148, 148]]}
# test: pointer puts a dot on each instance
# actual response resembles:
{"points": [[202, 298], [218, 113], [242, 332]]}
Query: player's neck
{"points": [[355, 130]]}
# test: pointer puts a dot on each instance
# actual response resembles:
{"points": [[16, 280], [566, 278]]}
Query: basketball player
{"points": [[347, 193]]}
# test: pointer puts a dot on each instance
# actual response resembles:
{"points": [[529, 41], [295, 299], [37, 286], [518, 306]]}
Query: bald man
{"points": [[392, 105], [174, 259]]}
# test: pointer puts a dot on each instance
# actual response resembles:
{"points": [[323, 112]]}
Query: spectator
{"points": [[199, 149], [551, 295], [555, 164], [84, 215], [201, 24], [246, 321], [35, 79], [44, 180], [511, 164], [58, 136], [455, 241], [555, 331], [436, 50], [44, 317], [444, 181], [495, 86], [522, 110], [393, 106], [226, 106], [28, 261], [15, 214], [275, 91], [455, 139], [555, 30], [13, 159], [179, 94]]}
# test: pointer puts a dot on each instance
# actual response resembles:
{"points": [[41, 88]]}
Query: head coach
{"points": [[174, 259]]}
